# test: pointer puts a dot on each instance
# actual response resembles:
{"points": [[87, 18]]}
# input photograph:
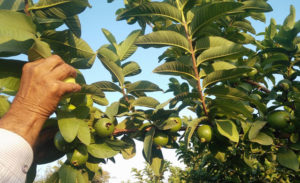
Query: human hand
{"points": [[40, 91], [42, 85]]}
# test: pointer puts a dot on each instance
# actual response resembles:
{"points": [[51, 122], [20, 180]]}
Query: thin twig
{"points": [[259, 86]]}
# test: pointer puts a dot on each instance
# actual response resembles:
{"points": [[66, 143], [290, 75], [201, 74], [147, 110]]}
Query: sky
{"points": [[102, 15]]}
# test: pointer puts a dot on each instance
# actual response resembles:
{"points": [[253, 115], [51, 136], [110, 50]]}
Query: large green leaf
{"points": [[127, 47], [4, 105], [161, 9], [129, 152], [146, 102], [107, 52], [289, 21], [235, 107], [72, 49], [222, 75], [58, 8], [222, 51], [111, 38], [74, 25], [227, 92], [244, 25], [211, 41], [115, 70], [163, 38], [84, 134], [131, 69], [228, 129], [68, 174], [288, 158], [203, 15], [92, 89], [148, 142], [175, 68], [40, 49], [255, 128], [10, 74], [142, 86], [254, 6], [14, 5], [157, 162], [218, 65], [107, 86], [68, 125], [17, 33], [262, 139], [102, 150], [191, 127]]}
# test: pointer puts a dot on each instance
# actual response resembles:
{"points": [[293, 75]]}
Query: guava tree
{"points": [[246, 128]]}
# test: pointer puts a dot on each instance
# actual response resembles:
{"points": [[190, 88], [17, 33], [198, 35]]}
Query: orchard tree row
{"points": [[247, 101]]}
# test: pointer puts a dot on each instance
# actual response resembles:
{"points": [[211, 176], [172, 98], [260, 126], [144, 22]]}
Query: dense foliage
{"points": [[248, 96]]}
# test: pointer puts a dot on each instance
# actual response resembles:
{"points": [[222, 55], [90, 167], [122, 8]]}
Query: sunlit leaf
{"points": [[107, 86], [163, 38], [175, 68], [262, 139], [148, 142], [102, 150], [131, 69], [228, 129], [142, 86], [255, 128], [153, 9], [127, 47]]}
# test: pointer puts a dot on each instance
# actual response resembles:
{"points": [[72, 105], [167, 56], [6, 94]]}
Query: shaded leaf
{"points": [[4, 105], [157, 162], [74, 25], [107, 86], [58, 8], [148, 142], [210, 12], [218, 65], [222, 75], [232, 106], [129, 152], [92, 89], [288, 158], [102, 150], [233, 50], [14, 5], [10, 74], [142, 86], [131, 69], [145, 102]]}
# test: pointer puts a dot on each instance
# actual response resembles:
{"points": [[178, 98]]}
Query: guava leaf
{"points": [[84, 134], [255, 129], [163, 38], [131, 69], [161, 9], [145, 102], [148, 142], [128, 47], [102, 150], [142, 86], [288, 158], [14, 5], [68, 125], [228, 129], [107, 86], [130, 151], [175, 68], [68, 174], [262, 139], [4, 105], [157, 162], [191, 127]]}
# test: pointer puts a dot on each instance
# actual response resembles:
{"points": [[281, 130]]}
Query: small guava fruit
{"points": [[104, 127], [160, 138], [176, 127], [204, 133], [60, 143], [79, 156], [278, 119], [69, 80]]}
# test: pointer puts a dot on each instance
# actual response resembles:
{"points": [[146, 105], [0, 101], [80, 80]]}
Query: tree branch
{"points": [[259, 86]]}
